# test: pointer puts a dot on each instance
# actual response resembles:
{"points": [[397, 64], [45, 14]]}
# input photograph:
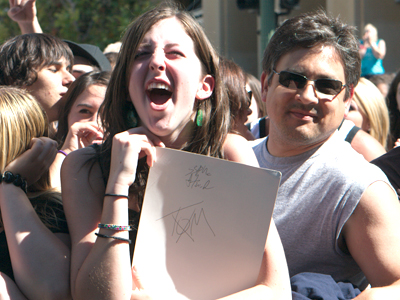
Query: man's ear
{"points": [[206, 88], [347, 102], [264, 86]]}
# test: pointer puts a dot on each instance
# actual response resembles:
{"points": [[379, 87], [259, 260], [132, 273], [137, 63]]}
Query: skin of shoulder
{"points": [[367, 145], [82, 191], [237, 149]]}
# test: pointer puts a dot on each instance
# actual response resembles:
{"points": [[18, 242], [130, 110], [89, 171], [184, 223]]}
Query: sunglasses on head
{"points": [[326, 86], [249, 94]]}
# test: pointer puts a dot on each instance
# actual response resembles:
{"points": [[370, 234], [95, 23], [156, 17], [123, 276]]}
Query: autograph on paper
{"points": [[195, 178], [186, 219]]}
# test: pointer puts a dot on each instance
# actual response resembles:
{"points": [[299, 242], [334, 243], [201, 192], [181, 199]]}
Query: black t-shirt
{"points": [[390, 165]]}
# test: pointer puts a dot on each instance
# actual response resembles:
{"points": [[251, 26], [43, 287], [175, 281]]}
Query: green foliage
{"points": [[97, 22]]}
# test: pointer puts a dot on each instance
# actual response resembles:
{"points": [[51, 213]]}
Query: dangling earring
{"points": [[199, 117], [131, 116]]}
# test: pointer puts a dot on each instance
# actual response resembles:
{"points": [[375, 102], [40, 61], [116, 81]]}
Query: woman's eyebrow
{"points": [[85, 105]]}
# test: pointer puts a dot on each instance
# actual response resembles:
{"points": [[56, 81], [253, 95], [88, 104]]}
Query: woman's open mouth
{"points": [[158, 94]]}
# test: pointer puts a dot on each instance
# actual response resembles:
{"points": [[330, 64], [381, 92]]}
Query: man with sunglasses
{"points": [[336, 214]]}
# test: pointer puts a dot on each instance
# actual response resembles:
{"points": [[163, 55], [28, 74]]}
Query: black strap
{"points": [[350, 136], [262, 127], [340, 124]]}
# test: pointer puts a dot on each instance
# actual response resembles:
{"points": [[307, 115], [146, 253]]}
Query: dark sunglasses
{"points": [[326, 86], [249, 94]]}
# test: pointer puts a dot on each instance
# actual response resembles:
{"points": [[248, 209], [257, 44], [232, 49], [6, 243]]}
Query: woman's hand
{"points": [[127, 148], [139, 292], [81, 135], [397, 143], [35, 161]]}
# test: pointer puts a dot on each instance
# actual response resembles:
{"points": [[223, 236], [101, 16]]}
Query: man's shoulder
{"points": [[260, 150]]}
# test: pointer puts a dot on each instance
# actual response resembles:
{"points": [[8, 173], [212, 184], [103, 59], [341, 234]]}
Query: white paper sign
{"points": [[203, 225]]}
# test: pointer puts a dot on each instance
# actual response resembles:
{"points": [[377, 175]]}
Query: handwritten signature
{"points": [[195, 179], [186, 218]]}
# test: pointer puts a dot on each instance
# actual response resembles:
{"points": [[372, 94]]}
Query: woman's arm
{"points": [[379, 50], [100, 267], [9, 290], [80, 135], [40, 259]]}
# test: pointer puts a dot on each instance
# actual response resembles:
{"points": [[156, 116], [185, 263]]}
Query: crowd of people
{"points": [[80, 127]]}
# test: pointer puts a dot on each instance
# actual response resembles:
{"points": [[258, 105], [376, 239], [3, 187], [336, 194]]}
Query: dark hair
{"points": [[255, 86], [23, 56], [77, 88], [315, 29], [394, 112], [234, 80]]}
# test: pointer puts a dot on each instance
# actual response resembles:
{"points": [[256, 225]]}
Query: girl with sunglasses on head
{"points": [[257, 106], [165, 91], [239, 94]]}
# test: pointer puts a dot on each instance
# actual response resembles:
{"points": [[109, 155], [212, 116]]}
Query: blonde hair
{"points": [[372, 104], [373, 31], [21, 119]]}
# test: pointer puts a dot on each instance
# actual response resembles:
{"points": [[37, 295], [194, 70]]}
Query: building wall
{"points": [[232, 31], [236, 33]]}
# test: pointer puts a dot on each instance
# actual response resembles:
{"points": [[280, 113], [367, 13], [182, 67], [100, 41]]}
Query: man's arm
{"points": [[25, 14], [372, 236]]}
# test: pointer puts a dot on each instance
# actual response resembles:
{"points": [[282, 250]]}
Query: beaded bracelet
{"points": [[112, 237], [117, 195], [115, 227], [16, 179]]}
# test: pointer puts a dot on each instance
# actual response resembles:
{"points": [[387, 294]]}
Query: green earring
{"points": [[199, 118]]}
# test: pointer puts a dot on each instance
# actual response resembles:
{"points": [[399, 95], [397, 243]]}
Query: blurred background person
{"points": [[257, 106], [112, 52], [372, 51], [382, 82], [369, 112]]}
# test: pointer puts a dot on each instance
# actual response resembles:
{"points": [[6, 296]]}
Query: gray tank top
{"points": [[319, 191]]}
